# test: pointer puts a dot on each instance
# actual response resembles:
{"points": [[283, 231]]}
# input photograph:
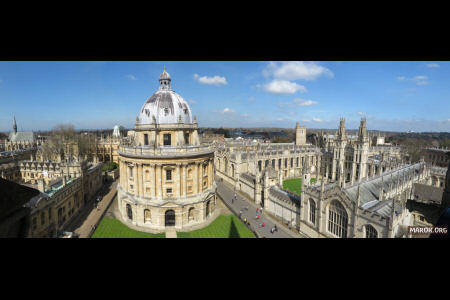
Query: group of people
{"points": [[259, 212]]}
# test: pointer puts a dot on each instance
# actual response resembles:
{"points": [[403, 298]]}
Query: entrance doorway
{"points": [[207, 208], [170, 218]]}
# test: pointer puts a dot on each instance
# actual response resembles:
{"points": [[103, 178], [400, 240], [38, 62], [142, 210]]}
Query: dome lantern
{"points": [[164, 81]]}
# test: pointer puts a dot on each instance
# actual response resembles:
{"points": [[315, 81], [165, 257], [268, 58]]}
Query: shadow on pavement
{"points": [[89, 206]]}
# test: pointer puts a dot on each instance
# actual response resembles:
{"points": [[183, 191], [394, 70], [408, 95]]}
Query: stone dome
{"points": [[165, 106]]}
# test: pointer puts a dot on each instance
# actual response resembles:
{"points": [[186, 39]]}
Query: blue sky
{"points": [[393, 96]]}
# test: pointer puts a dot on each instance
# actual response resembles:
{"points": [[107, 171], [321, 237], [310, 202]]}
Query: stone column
{"points": [[135, 180], [158, 181], [184, 187], [140, 180], [180, 184], [194, 178], [210, 173], [200, 177]]}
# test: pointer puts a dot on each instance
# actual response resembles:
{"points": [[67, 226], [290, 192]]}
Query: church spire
{"points": [[15, 125]]}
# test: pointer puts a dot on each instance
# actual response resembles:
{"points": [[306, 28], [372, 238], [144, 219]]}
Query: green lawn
{"points": [[222, 227], [112, 228], [295, 185]]}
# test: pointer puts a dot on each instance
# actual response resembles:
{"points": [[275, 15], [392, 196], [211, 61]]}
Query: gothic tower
{"points": [[339, 153], [300, 135], [360, 153]]}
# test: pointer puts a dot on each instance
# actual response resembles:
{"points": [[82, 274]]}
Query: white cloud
{"points": [[192, 102], [283, 87], [296, 70], [215, 80], [129, 76], [419, 80], [317, 120], [252, 99], [225, 111], [302, 102], [433, 65], [244, 115]]}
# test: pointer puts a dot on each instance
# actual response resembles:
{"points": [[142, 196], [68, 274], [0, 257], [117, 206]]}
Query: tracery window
{"points": [[337, 219], [371, 232], [312, 211]]}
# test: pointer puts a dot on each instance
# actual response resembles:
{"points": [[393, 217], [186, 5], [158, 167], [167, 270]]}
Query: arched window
{"points": [[371, 232], [226, 166], [191, 214], [129, 212], [232, 171], [312, 211], [147, 216], [337, 219]]}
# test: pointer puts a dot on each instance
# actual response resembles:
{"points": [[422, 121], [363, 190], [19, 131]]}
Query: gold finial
{"points": [[164, 68]]}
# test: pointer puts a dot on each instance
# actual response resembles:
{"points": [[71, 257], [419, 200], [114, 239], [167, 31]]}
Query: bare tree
{"points": [[65, 143]]}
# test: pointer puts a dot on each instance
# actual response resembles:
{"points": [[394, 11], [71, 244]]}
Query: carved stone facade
{"points": [[166, 176]]}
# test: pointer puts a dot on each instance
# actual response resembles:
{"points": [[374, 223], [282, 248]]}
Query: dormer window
{"points": [[185, 111], [166, 111]]}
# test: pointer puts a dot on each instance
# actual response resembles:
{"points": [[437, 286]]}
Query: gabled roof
{"points": [[22, 136]]}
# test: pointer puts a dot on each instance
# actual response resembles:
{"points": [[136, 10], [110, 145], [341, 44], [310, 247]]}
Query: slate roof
{"points": [[22, 136], [248, 177], [283, 195], [370, 189]]}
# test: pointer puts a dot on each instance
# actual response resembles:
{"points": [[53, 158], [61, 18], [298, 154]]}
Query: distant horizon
{"points": [[221, 127], [394, 96]]}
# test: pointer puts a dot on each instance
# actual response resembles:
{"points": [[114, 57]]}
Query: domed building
{"points": [[166, 176]]}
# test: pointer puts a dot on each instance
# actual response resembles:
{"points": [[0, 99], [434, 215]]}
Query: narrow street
{"points": [[226, 191], [89, 215]]}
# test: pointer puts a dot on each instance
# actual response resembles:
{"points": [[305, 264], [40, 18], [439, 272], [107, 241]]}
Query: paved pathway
{"points": [[171, 233], [89, 216], [226, 191]]}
